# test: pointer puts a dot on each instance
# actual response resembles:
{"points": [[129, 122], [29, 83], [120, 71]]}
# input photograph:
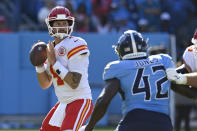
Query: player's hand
{"points": [[41, 65], [175, 77], [51, 53]]}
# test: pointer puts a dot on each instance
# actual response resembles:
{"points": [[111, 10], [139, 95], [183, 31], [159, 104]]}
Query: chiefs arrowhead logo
{"points": [[61, 51]]}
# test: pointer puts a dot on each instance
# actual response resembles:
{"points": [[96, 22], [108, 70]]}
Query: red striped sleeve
{"points": [[76, 50]]}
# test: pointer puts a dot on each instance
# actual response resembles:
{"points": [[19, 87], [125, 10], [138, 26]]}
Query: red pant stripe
{"points": [[83, 108], [83, 114], [87, 112]]}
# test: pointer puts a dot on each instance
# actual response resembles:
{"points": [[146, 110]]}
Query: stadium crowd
{"points": [[105, 16]]}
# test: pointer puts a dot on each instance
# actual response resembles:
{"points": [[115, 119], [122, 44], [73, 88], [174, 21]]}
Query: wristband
{"points": [[60, 69], [186, 79], [40, 69]]}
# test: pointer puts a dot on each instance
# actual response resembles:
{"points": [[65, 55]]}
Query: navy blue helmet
{"points": [[131, 45]]}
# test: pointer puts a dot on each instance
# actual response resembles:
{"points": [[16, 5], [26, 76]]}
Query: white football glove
{"points": [[173, 76], [82, 128]]}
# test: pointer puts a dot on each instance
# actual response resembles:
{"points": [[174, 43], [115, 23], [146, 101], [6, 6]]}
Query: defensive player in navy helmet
{"points": [[142, 83]]}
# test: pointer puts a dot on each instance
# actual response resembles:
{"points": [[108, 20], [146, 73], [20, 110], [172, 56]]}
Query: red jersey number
{"points": [[55, 75]]}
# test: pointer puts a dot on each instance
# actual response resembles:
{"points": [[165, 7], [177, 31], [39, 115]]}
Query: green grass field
{"points": [[97, 129], [38, 130]]}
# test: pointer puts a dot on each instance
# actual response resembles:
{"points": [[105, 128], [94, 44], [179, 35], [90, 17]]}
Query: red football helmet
{"points": [[60, 13], [194, 39]]}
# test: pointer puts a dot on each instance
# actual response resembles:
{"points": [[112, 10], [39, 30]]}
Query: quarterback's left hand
{"points": [[173, 76]]}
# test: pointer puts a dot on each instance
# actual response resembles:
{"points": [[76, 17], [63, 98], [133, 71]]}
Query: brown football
{"points": [[38, 54]]}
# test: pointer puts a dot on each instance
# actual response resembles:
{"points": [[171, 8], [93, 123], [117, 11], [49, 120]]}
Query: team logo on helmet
{"points": [[61, 51]]}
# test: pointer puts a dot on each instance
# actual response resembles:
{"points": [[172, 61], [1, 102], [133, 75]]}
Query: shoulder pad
{"points": [[76, 45], [166, 56], [190, 48], [167, 61], [112, 70]]}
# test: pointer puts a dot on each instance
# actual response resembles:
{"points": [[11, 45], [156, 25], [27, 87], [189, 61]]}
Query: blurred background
{"points": [[169, 25]]}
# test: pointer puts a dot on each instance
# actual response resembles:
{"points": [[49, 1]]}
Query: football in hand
{"points": [[38, 53]]}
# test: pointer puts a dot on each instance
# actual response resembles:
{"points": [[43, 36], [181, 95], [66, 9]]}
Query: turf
{"points": [[97, 129], [102, 129]]}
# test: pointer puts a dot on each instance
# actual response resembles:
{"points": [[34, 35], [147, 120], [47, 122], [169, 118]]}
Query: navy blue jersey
{"points": [[143, 82]]}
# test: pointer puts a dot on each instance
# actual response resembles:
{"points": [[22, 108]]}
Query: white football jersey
{"points": [[190, 57], [73, 54]]}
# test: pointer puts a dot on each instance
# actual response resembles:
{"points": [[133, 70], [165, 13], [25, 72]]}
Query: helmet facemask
{"points": [[55, 31], [60, 13]]}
